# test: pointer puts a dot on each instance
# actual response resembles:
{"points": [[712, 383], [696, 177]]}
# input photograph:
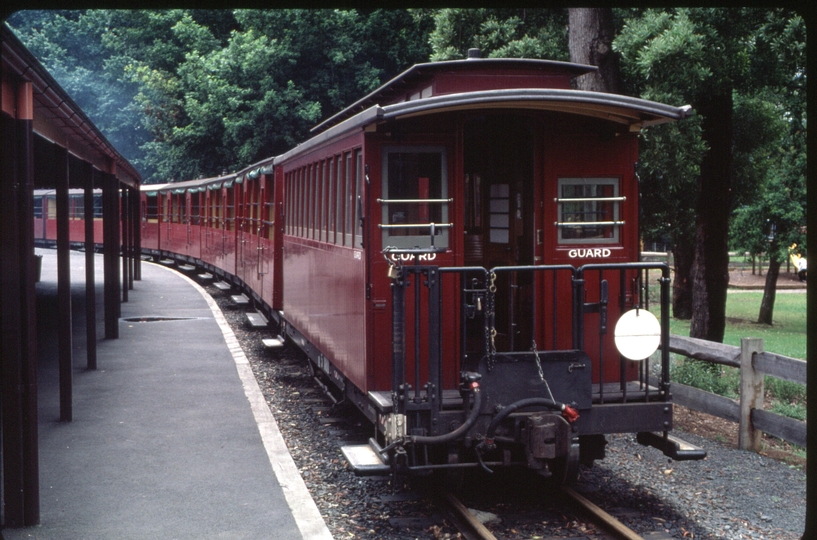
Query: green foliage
{"points": [[791, 410], [194, 92], [774, 146], [786, 390], [723, 381], [500, 33]]}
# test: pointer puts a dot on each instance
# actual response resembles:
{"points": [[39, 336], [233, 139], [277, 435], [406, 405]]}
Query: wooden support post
{"points": [[64, 337], [133, 199], [751, 394], [110, 225], [137, 204], [90, 285], [125, 254], [20, 489]]}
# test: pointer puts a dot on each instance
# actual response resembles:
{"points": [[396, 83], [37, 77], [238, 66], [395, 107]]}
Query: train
{"points": [[458, 255]]}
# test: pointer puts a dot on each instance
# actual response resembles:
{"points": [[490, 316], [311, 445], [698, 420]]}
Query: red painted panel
{"points": [[276, 271], [592, 156], [150, 234], [326, 301], [455, 82], [380, 313]]}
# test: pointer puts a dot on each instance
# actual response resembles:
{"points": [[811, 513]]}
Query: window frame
{"points": [[616, 223], [442, 238]]}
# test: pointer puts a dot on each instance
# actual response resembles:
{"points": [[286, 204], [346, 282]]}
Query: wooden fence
{"points": [[753, 363]]}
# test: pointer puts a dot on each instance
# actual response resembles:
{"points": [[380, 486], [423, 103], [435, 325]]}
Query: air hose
{"points": [[460, 431]]}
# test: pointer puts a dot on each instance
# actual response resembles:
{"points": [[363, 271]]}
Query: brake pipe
{"points": [[460, 431]]}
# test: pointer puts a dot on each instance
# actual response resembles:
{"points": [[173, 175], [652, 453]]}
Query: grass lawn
{"points": [[787, 336]]}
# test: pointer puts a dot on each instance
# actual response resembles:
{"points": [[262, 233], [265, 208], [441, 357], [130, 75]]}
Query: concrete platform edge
{"points": [[303, 507]]}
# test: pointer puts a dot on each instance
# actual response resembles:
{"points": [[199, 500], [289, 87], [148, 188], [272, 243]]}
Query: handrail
{"points": [[585, 223], [415, 225], [415, 201], [591, 199]]}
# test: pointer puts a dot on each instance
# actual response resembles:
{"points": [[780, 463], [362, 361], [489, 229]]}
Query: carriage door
{"points": [[499, 190]]}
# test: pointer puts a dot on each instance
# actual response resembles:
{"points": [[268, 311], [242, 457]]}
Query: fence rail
{"points": [[753, 363]]}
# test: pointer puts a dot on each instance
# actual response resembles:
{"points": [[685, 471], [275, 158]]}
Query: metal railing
{"points": [[483, 291]]}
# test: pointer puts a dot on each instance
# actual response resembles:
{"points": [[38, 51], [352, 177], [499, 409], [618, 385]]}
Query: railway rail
{"points": [[472, 528]]}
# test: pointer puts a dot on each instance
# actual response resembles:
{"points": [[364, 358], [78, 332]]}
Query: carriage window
{"points": [[152, 208], [77, 207], [325, 203], [350, 199], [339, 191], [330, 202], [360, 202], [302, 190], [38, 207], [589, 210], [415, 191], [194, 212]]}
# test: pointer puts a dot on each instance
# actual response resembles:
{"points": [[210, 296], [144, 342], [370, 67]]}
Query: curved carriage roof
{"points": [[399, 88], [635, 113], [214, 182]]}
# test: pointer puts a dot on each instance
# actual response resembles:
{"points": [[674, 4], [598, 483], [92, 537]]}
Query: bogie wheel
{"points": [[566, 468]]}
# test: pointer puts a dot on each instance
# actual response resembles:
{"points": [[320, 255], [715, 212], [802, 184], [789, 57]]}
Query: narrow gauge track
{"points": [[314, 427], [472, 529]]}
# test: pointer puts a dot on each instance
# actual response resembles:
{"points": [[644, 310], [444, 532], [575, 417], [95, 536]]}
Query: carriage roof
{"points": [[489, 84]]}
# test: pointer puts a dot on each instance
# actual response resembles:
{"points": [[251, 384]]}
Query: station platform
{"points": [[171, 437]]}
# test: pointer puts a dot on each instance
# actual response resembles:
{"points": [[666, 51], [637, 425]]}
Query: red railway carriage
{"points": [[45, 215], [225, 224], [454, 252]]}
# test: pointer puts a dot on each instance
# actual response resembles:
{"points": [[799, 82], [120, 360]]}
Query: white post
{"points": [[751, 394]]}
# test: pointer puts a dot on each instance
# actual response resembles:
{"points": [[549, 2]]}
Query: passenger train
{"points": [[458, 254]]}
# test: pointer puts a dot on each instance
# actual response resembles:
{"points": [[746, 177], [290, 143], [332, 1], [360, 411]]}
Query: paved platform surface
{"points": [[171, 437]]}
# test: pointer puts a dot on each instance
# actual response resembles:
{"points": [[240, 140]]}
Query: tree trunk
{"points": [[769, 292], [710, 268], [590, 42], [682, 255]]}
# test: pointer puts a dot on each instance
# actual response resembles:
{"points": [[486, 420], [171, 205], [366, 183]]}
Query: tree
{"points": [[669, 53], [591, 42], [774, 219], [200, 91], [499, 33], [69, 44]]}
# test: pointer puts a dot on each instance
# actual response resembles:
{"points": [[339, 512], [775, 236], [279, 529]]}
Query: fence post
{"points": [[751, 394]]}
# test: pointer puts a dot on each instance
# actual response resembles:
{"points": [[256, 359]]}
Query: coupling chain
{"points": [[490, 329], [539, 367]]}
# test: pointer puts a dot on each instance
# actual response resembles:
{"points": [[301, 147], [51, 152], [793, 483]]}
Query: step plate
{"points": [[273, 343], [256, 320], [364, 460], [672, 446]]}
